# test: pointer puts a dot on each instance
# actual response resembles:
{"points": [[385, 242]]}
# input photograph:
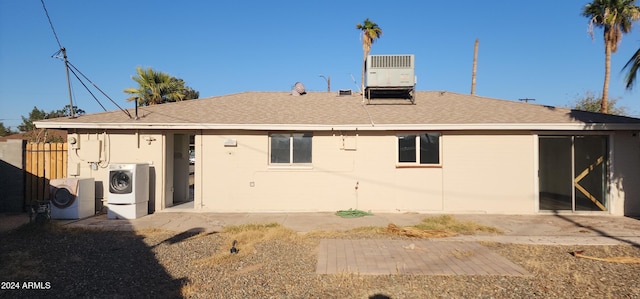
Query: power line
{"points": [[73, 69], [87, 88], [64, 55], [51, 24]]}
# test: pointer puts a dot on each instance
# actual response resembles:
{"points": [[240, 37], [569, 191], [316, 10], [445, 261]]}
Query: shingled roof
{"points": [[436, 110]]}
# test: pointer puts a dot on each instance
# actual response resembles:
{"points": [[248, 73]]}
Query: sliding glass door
{"points": [[573, 173]]}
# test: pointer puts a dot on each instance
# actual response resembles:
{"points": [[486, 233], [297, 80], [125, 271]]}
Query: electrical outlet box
{"points": [[74, 169], [349, 143], [91, 150]]}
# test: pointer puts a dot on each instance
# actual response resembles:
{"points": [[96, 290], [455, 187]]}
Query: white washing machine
{"points": [[72, 198], [128, 196]]}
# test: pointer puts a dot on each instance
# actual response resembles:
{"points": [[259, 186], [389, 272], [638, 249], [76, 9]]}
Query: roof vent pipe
{"points": [[136, 117], [298, 89]]}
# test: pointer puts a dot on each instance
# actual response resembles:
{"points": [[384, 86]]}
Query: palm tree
{"points": [[616, 18], [370, 32], [157, 87], [189, 93]]}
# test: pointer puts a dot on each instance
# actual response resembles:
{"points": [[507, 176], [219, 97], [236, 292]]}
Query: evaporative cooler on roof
{"points": [[390, 76]]}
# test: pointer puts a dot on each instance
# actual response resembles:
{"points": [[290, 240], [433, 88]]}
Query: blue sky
{"points": [[528, 49]]}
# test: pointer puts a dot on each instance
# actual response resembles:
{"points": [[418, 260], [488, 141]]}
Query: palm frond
{"points": [[616, 17], [156, 87], [633, 65]]}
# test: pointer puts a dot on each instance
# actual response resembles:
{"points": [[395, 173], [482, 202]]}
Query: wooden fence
{"points": [[43, 162]]}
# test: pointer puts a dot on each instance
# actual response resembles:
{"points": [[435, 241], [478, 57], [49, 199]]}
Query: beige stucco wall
{"points": [[624, 187], [226, 176], [480, 173], [489, 173]]}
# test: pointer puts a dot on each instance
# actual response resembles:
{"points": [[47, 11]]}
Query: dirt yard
{"points": [[274, 262]]}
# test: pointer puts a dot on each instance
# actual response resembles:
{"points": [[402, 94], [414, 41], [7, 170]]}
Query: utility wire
{"points": [[64, 55], [74, 70], [51, 24], [87, 88]]}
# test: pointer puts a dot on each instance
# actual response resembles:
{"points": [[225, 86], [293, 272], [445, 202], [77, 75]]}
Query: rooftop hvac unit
{"points": [[390, 77], [390, 71]]}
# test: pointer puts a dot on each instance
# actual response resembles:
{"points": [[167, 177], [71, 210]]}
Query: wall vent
{"points": [[344, 92], [391, 61]]}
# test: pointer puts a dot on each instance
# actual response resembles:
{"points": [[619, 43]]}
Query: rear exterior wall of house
{"points": [[235, 171], [477, 173]]}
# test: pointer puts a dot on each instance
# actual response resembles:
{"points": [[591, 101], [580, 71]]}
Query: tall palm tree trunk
{"points": [[364, 69], [604, 105]]}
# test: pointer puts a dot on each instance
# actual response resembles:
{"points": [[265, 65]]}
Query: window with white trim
{"points": [[290, 148], [419, 149]]}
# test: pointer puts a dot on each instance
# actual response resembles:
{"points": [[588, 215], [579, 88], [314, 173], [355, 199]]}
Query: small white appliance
{"points": [[128, 196], [72, 198]]}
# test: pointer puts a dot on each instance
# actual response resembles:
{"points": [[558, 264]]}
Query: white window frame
{"points": [[291, 150], [417, 150]]}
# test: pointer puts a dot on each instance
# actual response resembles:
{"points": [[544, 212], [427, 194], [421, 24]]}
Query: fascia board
{"points": [[362, 127]]}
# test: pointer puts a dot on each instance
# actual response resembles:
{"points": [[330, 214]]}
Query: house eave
{"points": [[358, 127]]}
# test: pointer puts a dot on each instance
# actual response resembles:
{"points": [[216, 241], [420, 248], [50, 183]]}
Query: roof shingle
{"points": [[329, 109]]}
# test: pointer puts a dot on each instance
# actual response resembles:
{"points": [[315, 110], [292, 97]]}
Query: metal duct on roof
{"points": [[298, 89]]}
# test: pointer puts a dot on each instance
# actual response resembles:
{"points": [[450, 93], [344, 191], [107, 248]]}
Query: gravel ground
{"points": [[69, 263]]}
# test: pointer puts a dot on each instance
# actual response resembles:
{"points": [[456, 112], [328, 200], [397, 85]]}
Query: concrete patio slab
{"points": [[426, 257]]}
